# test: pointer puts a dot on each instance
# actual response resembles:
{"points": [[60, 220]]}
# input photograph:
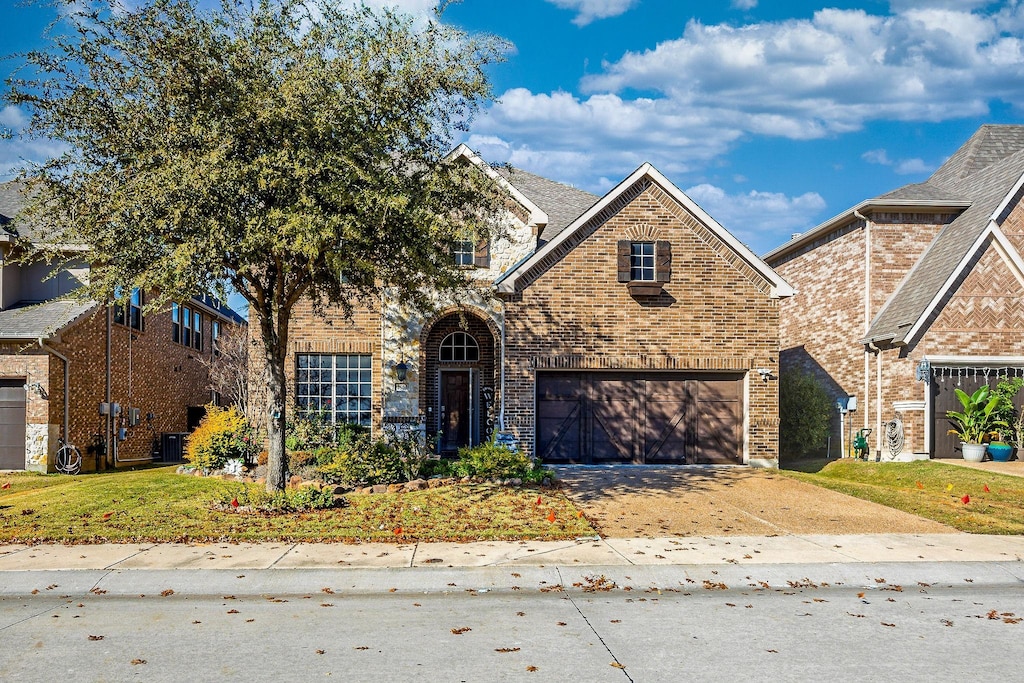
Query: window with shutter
{"points": [[482, 257], [663, 261], [623, 260]]}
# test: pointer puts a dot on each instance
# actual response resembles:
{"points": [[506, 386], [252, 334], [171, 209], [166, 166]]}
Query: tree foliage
{"points": [[805, 413], [294, 149]]}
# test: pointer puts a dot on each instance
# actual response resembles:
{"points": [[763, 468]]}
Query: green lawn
{"points": [[159, 505], [927, 488]]}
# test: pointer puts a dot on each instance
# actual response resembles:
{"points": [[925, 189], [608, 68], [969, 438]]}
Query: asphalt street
{"points": [[897, 621]]}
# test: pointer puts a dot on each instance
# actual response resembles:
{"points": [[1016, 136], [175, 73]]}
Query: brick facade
{"points": [[149, 371], [716, 317]]}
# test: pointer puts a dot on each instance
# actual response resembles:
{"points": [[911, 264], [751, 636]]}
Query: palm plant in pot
{"points": [[976, 421], [1007, 413]]}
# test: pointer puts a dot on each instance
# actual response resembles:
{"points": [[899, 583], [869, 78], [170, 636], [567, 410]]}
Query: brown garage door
{"points": [[636, 417], [12, 424]]}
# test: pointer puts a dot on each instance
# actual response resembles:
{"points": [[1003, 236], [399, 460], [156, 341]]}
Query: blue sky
{"points": [[772, 115]]}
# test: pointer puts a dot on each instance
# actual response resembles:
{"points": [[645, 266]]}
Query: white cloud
{"points": [[744, 4], [913, 167], [876, 156], [589, 10], [12, 117], [686, 102], [901, 166], [753, 215]]}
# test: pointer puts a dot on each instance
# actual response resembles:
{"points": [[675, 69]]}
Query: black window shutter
{"points": [[623, 260], [482, 257], [663, 261]]}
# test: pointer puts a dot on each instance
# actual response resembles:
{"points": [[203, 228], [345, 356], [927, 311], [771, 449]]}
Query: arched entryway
{"points": [[458, 354]]}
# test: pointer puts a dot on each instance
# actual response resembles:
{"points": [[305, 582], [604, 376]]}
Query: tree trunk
{"points": [[274, 328]]}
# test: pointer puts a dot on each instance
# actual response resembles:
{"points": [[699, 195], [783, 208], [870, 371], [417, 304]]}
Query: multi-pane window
{"points": [[459, 346], [187, 326], [464, 252], [338, 386], [130, 313], [641, 261], [214, 336]]}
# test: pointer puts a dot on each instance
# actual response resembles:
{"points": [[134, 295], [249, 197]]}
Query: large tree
{"points": [[289, 149]]}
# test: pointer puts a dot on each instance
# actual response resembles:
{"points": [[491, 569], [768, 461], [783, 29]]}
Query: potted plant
{"points": [[975, 422], [1007, 413]]}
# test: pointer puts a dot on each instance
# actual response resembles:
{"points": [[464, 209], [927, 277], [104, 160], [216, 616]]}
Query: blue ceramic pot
{"points": [[1000, 452]]}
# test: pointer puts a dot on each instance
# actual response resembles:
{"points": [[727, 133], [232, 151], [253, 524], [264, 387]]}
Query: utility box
{"points": [[134, 417], [172, 447]]}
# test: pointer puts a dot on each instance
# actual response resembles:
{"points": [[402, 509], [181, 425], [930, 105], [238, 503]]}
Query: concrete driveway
{"points": [[645, 501]]}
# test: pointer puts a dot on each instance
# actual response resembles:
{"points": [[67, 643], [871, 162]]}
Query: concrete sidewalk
{"points": [[584, 552]]}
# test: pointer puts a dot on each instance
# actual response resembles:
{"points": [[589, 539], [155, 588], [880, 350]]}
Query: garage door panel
{"points": [[12, 424], [594, 417], [612, 431], [718, 432], [558, 430]]}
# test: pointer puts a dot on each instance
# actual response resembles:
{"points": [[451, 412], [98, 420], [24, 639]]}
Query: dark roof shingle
{"points": [[562, 203], [41, 321]]}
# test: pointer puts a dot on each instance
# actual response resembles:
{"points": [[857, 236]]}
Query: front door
{"points": [[455, 409]]}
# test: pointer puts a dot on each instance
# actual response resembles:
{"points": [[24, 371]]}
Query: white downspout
{"points": [[67, 383], [867, 314], [878, 396]]}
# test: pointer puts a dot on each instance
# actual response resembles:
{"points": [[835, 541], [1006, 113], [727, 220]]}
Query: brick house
{"points": [[908, 295], [61, 359], [625, 328]]}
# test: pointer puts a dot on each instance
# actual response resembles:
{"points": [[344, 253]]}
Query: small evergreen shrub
{"points": [[365, 462], [490, 460], [290, 500], [224, 434], [805, 413]]}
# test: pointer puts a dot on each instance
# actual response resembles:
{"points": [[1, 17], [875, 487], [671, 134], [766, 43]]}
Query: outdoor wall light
{"points": [[766, 373], [37, 388], [924, 371], [401, 371]]}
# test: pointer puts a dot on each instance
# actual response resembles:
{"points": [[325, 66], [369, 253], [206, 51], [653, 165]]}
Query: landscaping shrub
{"points": [[364, 461], [309, 431], [805, 413], [224, 434], [491, 460], [413, 450], [290, 500]]}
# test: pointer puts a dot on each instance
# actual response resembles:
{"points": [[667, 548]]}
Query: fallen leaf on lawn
{"points": [[6, 485], [949, 487], [538, 501], [919, 485], [506, 649], [966, 499], [986, 489], [96, 637], [551, 516], [107, 515], [462, 629], [138, 661], [167, 592]]}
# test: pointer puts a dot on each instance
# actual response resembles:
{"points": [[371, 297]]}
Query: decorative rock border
{"points": [[414, 485]]}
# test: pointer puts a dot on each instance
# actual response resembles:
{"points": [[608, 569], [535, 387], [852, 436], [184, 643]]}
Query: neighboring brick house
{"points": [[908, 295], [626, 328], [54, 363]]}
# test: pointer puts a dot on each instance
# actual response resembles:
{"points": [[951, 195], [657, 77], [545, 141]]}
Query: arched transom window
{"points": [[459, 346]]}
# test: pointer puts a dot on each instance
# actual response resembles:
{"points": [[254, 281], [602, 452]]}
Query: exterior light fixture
{"points": [[401, 371], [766, 373], [924, 371]]}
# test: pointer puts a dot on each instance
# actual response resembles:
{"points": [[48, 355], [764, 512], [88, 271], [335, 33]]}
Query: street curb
{"points": [[637, 581]]}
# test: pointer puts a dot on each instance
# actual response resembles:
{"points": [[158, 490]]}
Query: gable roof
{"points": [[978, 182], [779, 287], [562, 203], [41, 321], [11, 202], [992, 189]]}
